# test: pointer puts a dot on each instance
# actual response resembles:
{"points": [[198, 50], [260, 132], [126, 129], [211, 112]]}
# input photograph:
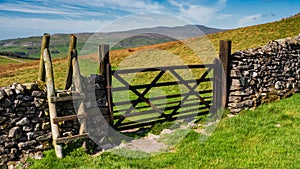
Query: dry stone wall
{"points": [[264, 74], [25, 128], [24, 122]]}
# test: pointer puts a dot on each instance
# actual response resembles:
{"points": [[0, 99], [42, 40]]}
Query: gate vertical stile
{"points": [[217, 87], [105, 71]]}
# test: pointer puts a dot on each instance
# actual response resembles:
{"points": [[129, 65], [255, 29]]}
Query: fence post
{"points": [[225, 52], [44, 45], [104, 58], [105, 71], [72, 46]]}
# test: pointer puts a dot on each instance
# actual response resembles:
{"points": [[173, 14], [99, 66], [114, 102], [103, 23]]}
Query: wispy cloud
{"points": [[200, 13], [51, 25], [131, 6], [61, 9], [254, 19]]}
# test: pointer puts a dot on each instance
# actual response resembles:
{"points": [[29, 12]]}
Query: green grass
{"points": [[4, 61], [248, 140]]}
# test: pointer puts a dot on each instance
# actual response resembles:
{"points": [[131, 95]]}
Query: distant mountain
{"points": [[88, 42]]}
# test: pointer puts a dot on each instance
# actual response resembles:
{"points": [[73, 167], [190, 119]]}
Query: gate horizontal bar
{"points": [[153, 69], [167, 108], [131, 125], [114, 89], [162, 97], [160, 104]]}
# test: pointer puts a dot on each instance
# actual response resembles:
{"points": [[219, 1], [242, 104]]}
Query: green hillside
{"points": [[258, 35]]}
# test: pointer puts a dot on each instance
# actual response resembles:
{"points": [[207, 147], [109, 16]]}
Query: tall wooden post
{"points": [[225, 52], [104, 58], [52, 105], [105, 71], [79, 89], [72, 46], [44, 45]]}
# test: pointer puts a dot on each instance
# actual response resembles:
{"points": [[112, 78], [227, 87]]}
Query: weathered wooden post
{"points": [[217, 86], [44, 45], [225, 52], [72, 46], [104, 58], [105, 71], [79, 89], [52, 105]]}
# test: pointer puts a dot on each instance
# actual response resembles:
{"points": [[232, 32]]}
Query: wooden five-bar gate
{"points": [[138, 109]]}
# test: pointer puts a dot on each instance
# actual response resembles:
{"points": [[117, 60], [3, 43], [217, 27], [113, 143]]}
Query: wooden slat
{"points": [[72, 138], [68, 118], [167, 108], [159, 84], [164, 97], [67, 98], [125, 71]]}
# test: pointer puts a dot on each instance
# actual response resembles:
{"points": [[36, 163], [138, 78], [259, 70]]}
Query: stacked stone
{"points": [[24, 122], [264, 74], [96, 105]]}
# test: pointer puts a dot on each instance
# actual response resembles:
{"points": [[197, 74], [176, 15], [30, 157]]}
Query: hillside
{"points": [[29, 47], [242, 38]]}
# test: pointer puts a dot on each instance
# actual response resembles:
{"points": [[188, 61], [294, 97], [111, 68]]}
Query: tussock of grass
{"points": [[265, 138]]}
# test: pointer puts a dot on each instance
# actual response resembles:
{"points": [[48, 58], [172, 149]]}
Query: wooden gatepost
{"points": [[221, 76]]}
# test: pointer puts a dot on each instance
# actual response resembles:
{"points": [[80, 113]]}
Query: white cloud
{"points": [[64, 10], [50, 25], [146, 20], [251, 19], [224, 16], [132, 6], [200, 13], [255, 19]]}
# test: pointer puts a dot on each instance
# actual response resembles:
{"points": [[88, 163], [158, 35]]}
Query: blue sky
{"points": [[22, 18]]}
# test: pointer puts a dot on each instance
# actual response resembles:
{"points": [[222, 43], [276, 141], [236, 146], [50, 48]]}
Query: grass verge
{"points": [[265, 138]]}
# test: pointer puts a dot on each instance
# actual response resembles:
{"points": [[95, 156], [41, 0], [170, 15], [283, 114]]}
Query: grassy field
{"points": [[265, 138]]}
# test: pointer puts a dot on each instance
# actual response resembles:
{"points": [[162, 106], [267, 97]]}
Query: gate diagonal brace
{"points": [[141, 96], [192, 89]]}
